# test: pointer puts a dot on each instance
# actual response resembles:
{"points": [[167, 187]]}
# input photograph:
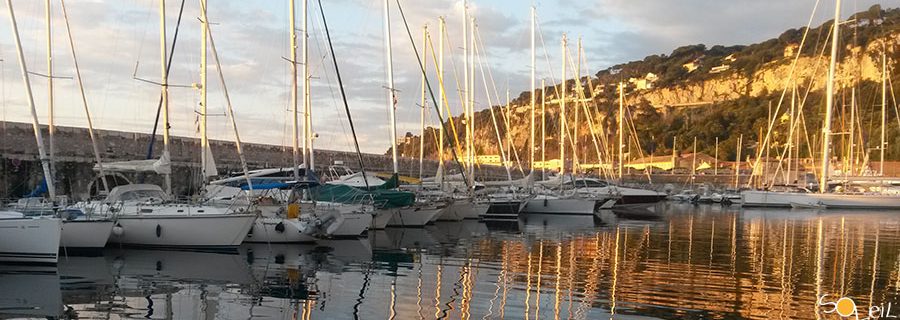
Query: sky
{"points": [[117, 44]]}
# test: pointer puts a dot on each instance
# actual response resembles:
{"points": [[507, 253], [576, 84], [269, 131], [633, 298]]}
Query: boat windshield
{"points": [[139, 195]]}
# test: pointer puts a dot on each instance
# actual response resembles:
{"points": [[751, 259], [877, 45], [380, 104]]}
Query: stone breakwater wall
{"points": [[75, 159]]}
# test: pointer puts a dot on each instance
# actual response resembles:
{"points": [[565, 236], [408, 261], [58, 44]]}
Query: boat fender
{"points": [[158, 231], [279, 227], [545, 202], [118, 230]]}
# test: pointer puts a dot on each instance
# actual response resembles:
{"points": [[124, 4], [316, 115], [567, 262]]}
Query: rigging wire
{"points": [[337, 71]]}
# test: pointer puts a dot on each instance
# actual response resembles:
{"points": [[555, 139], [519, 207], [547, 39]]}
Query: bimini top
{"points": [[136, 192]]}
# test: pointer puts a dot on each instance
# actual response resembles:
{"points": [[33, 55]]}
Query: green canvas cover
{"points": [[347, 194]]}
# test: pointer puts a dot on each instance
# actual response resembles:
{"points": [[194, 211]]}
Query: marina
{"points": [[703, 261], [269, 177]]}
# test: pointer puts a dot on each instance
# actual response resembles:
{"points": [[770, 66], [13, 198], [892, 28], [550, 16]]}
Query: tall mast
{"points": [[829, 100], [307, 105], [45, 161], [471, 124], [466, 93], [422, 106], [622, 130], [562, 111], [577, 96], [51, 128], [694, 162], [204, 140], [295, 128], [440, 72], [543, 130], [533, 89], [737, 161], [851, 157], [883, 109], [790, 142], [715, 159], [87, 111], [390, 84], [164, 89]]}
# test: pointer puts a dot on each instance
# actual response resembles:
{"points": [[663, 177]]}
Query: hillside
{"points": [[714, 92]]}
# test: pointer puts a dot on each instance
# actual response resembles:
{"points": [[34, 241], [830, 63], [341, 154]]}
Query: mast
{"points": [[851, 158], [674, 154], [471, 124], [164, 90], [295, 128], [533, 71], [790, 150], [440, 71], [307, 105], [622, 132], [543, 131], [204, 139], [422, 106], [87, 111], [465, 41], [390, 85], [737, 165], [562, 112], [578, 96], [51, 128], [716, 159], [45, 161], [883, 109], [694, 162], [829, 100]]}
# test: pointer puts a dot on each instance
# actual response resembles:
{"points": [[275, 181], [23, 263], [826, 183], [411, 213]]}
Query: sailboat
{"points": [[421, 212], [546, 200], [147, 215], [29, 239], [826, 197]]}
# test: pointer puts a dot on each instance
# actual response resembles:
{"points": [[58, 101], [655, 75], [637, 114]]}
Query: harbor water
{"points": [[673, 261]]}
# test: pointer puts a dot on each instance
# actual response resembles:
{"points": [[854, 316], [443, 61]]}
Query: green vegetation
{"points": [[726, 120]]}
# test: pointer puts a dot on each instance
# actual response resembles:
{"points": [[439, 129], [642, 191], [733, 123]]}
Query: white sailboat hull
{"points": [[85, 234], [212, 230], [455, 211], [382, 217], [32, 240], [555, 205], [414, 216], [350, 224], [855, 201], [267, 230], [467, 209], [772, 199]]}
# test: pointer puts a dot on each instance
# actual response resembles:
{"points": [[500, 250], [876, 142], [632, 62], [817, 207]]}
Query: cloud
{"points": [[116, 39]]}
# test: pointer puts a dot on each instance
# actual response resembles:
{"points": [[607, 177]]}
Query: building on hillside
{"points": [[730, 58], [681, 162], [691, 66], [491, 160], [721, 68], [644, 83], [790, 50]]}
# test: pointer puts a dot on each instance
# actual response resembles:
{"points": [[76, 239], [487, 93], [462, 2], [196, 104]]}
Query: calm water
{"points": [[673, 262]]}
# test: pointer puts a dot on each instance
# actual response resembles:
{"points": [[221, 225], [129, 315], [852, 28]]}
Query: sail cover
{"points": [[160, 166]]}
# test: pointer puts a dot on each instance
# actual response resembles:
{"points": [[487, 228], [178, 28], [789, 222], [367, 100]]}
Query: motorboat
{"points": [[29, 239], [627, 197], [559, 204]]}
